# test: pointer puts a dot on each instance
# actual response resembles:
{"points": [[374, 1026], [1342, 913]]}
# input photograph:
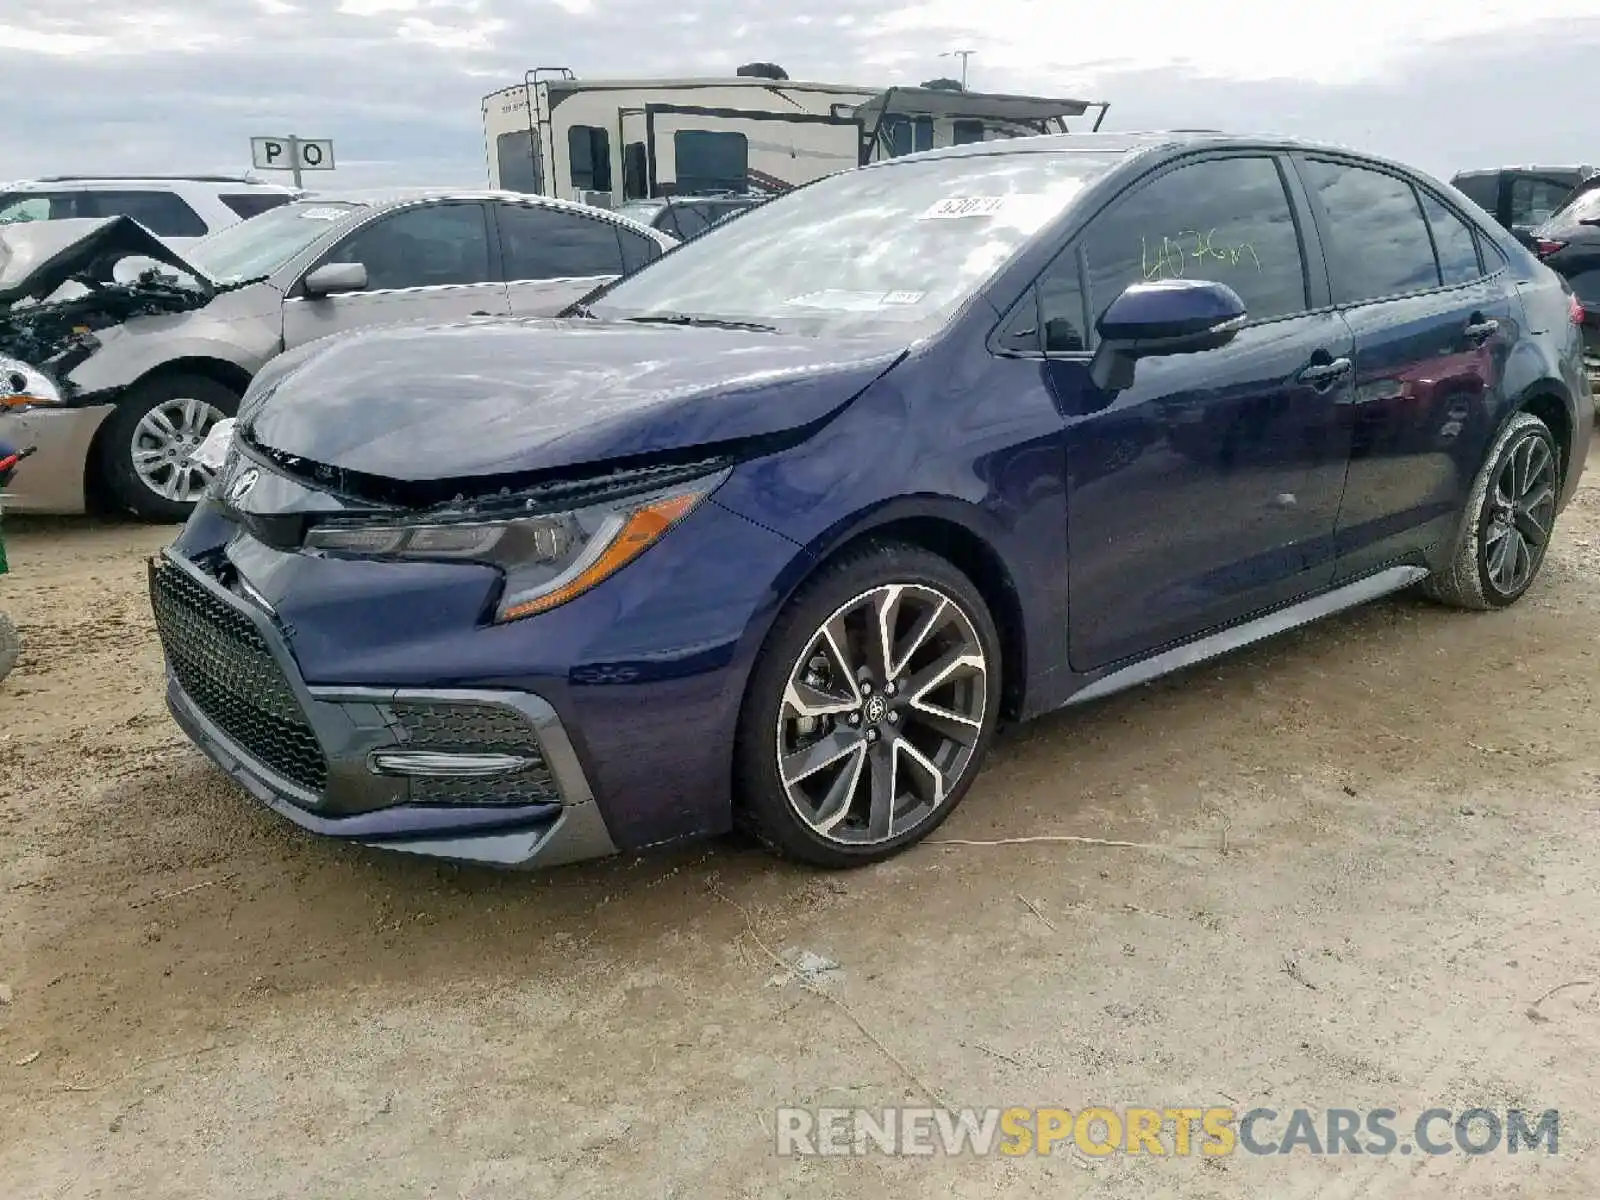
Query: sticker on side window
{"points": [[321, 214], [964, 206]]}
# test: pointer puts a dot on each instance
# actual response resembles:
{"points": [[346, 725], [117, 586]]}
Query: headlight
{"points": [[547, 559], [22, 386]]}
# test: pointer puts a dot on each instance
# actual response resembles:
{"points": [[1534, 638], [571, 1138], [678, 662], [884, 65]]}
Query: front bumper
{"points": [[485, 776]]}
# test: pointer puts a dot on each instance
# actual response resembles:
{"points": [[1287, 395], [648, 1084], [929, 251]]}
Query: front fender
{"points": [[243, 329]]}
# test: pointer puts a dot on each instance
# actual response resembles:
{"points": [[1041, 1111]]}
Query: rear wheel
{"points": [[147, 447], [1508, 520], [870, 708]]}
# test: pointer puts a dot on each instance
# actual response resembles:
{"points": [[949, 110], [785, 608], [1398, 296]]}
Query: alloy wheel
{"points": [[1522, 511], [163, 447], [881, 714]]}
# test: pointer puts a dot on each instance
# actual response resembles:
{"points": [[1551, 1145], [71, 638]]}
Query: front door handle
{"points": [[480, 313], [1323, 375], [1480, 329]]}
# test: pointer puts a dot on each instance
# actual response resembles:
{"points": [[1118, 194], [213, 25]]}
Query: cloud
{"points": [[184, 84]]}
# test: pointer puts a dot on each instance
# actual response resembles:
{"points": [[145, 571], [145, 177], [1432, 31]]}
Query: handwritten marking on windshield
{"points": [[1169, 257]]}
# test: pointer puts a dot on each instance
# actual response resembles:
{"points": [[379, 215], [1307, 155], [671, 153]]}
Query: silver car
{"points": [[147, 361]]}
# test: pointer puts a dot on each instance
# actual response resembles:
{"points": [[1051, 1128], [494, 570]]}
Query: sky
{"points": [[182, 85]]}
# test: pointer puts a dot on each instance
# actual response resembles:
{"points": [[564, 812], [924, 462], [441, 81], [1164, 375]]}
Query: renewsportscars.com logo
{"points": [[1167, 1132]]}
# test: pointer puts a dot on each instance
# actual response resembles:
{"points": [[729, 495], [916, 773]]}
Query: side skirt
{"points": [[1302, 612]]}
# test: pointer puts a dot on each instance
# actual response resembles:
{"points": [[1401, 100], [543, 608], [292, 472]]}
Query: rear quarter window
{"points": [[253, 204]]}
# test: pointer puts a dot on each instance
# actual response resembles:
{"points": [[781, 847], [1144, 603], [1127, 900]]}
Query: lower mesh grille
{"points": [[229, 673], [476, 729]]}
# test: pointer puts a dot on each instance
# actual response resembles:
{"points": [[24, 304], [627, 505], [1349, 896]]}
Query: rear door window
{"points": [[1453, 239], [1377, 241], [548, 243], [162, 213]]}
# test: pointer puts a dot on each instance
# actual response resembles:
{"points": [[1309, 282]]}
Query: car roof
{"points": [[60, 182], [377, 198], [1564, 170], [1137, 144]]}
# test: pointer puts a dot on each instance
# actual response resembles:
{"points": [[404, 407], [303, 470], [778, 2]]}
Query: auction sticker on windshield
{"points": [[965, 206]]}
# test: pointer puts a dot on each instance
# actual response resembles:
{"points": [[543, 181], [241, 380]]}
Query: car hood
{"points": [[511, 398], [38, 257]]}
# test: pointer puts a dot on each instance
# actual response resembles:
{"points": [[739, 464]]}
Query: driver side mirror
{"points": [[1169, 316], [330, 279]]}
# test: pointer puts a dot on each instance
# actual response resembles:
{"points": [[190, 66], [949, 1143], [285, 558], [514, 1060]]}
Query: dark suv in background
{"points": [[1521, 197], [1569, 244]]}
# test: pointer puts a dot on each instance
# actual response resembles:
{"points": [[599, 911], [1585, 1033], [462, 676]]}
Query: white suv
{"points": [[177, 209]]}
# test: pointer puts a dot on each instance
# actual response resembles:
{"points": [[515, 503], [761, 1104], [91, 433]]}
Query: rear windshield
{"points": [[262, 244], [1583, 205]]}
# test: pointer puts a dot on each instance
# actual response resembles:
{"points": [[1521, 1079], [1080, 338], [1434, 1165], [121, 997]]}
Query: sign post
{"points": [[292, 153]]}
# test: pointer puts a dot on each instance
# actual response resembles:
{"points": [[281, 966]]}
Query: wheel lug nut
{"points": [[888, 689], [893, 718], [855, 718], [872, 735]]}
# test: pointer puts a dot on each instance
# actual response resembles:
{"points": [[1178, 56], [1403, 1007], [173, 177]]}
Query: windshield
{"points": [[262, 244], [896, 247]]}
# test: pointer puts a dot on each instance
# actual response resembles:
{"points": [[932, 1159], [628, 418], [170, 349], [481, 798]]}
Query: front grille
{"points": [[227, 670], [476, 729]]}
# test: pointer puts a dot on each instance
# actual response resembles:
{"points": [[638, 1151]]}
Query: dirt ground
{"points": [[1366, 851]]}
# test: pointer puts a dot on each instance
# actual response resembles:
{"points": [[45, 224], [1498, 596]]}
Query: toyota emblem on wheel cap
{"points": [[241, 486]]}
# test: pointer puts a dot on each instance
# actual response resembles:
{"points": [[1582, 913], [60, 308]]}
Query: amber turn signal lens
{"points": [[643, 528]]}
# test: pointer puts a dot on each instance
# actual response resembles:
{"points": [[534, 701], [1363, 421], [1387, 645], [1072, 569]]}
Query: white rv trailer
{"points": [[607, 141]]}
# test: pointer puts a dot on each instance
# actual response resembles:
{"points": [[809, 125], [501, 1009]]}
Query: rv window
{"points": [[966, 132], [710, 161], [517, 156], [924, 138], [590, 151], [635, 168], [896, 136]]}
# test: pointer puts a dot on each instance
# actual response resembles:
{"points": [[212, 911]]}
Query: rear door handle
{"points": [[1322, 375], [480, 313], [1481, 330]]}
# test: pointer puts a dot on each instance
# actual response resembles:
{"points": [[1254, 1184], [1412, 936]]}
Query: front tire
{"points": [[870, 709], [1506, 526], [148, 444]]}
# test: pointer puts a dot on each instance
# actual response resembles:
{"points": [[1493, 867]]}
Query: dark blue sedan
{"points": [[776, 531]]}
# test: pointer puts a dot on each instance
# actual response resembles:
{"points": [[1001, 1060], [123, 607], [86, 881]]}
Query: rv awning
{"points": [[934, 102]]}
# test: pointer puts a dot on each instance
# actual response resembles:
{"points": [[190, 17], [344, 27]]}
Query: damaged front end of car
{"points": [[61, 282]]}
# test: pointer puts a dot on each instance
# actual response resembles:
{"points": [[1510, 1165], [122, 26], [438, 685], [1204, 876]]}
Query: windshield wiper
{"points": [[701, 322]]}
